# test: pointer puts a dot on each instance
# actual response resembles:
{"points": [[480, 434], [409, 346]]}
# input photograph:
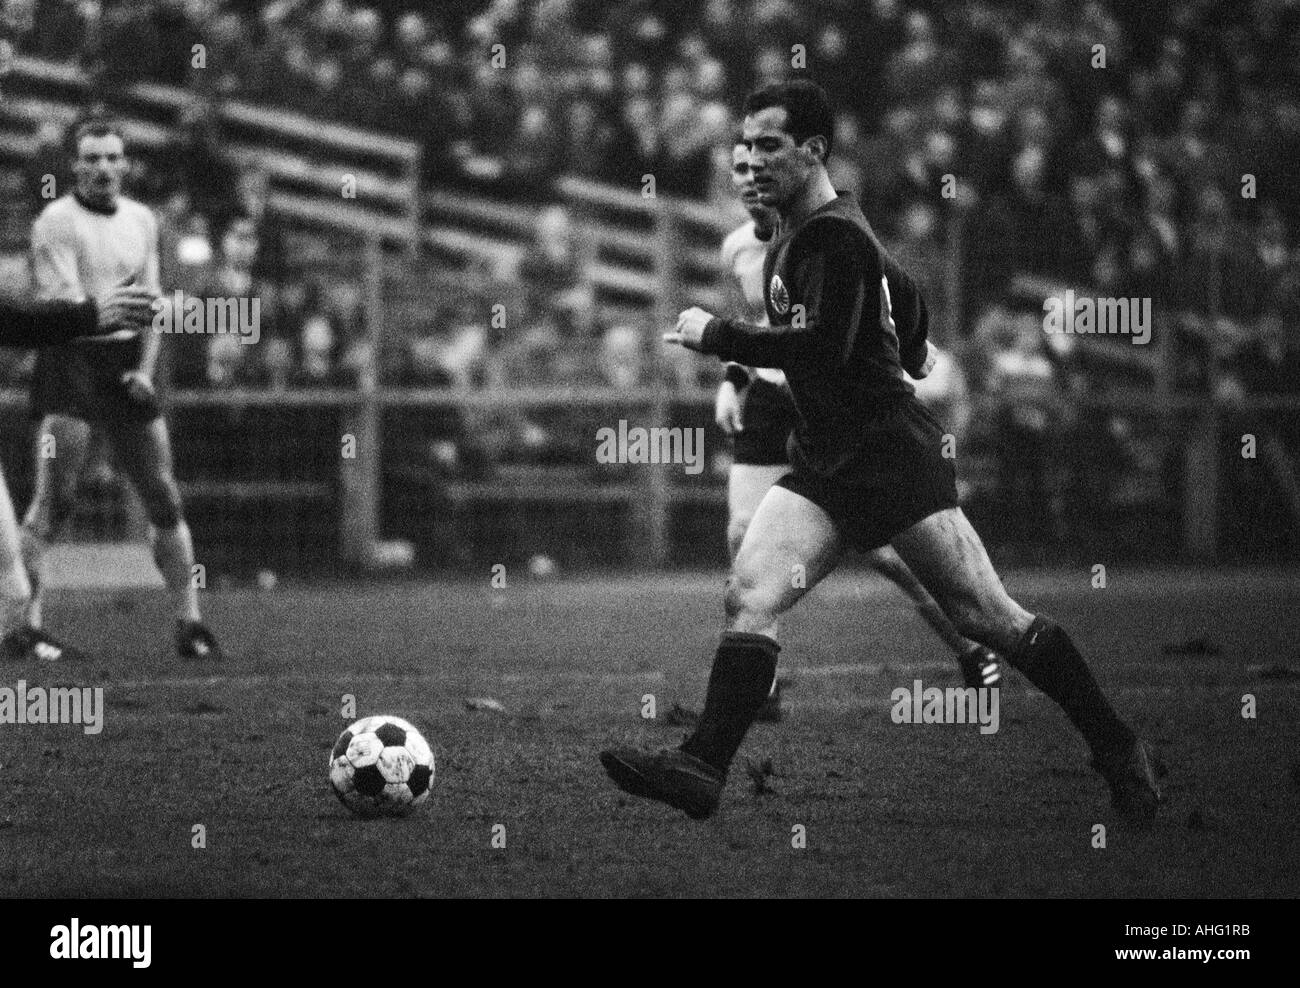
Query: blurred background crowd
{"points": [[1125, 177], [1130, 149]]}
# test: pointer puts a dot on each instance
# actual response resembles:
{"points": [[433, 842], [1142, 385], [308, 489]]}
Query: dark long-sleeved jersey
{"points": [[36, 324], [846, 323]]}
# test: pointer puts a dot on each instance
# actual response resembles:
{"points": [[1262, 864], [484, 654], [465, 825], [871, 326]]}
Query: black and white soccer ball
{"points": [[381, 766]]}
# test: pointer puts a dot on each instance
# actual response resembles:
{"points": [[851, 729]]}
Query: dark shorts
{"points": [[896, 476], [84, 381], [767, 415]]}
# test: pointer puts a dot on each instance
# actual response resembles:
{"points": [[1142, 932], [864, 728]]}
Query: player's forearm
{"points": [[757, 346], [152, 340], [34, 324]]}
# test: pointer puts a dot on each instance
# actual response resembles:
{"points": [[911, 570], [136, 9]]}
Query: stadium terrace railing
{"points": [[319, 173]]}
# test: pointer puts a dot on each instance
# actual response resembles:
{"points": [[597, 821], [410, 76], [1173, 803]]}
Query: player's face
{"points": [[100, 167], [742, 177], [742, 180], [780, 167]]}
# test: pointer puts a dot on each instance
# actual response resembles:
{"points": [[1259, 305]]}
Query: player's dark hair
{"points": [[807, 108], [96, 127]]}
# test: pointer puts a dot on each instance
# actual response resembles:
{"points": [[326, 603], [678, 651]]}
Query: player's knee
{"points": [[746, 596]]}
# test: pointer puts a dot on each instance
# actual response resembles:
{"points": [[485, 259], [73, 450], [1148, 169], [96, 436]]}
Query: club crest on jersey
{"points": [[778, 295]]}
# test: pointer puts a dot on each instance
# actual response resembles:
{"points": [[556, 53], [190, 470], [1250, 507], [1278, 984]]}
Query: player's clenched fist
{"points": [[690, 328], [126, 307], [726, 408]]}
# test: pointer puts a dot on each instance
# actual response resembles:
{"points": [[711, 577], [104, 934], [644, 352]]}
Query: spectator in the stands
{"points": [[590, 141], [57, 28], [1219, 271], [187, 254], [921, 64], [846, 168], [553, 273], [1272, 252], [122, 47], [687, 162], [1266, 363], [18, 20], [317, 332], [48, 172], [197, 162], [919, 247], [1194, 149], [639, 141], [1023, 376], [228, 57], [534, 156], [178, 25], [987, 133], [1040, 214], [623, 357], [222, 360], [481, 153]]}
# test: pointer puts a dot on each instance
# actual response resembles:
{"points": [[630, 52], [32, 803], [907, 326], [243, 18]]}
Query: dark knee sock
{"points": [[1050, 661], [743, 671]]}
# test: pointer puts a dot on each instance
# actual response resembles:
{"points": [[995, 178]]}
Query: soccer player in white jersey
{"points": [[754, 407], [81, 244]]}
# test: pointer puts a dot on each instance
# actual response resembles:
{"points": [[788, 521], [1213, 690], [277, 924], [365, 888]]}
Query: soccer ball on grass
{"points": [[381, 766]]}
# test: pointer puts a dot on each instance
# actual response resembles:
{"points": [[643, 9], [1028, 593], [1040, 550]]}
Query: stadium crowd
{"points": [[1138, 150], [1124, 174]]}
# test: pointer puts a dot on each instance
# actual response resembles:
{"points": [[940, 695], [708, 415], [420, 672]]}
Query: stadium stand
{"points": [[1122, 178]]}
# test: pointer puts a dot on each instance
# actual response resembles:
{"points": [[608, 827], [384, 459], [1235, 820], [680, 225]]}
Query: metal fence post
{"points": [[1201, 456], [1201, 487], [653, 512], [359, 472]]}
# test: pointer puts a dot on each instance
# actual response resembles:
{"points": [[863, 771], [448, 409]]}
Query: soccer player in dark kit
{"points": [[866, 469], [754, 407]]}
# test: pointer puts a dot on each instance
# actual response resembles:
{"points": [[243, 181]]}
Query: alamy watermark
{"points": [[1087, 316], [82, 705], [655, 445], [953, 705], [215, 314], [102, 942]]}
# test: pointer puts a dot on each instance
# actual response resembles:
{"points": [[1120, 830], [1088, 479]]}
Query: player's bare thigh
{"points": [[790, 545], [143, 453], [947, 556], [746, 485]]}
